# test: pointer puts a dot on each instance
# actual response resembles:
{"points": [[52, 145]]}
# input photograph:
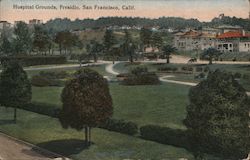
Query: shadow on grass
{"points": [[65, 147], [5, 121]]}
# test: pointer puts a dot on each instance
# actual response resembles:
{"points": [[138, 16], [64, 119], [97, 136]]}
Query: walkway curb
{"points": [[37, 149]]}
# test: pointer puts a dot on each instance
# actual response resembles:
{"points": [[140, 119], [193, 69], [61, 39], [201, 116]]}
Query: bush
{"points": [[199, 69], [200, 76], [206, 69], [187, 68], [42, 108], [41, 81], [54, 75], [165, 135], [36, 60], [168, 69], [121, 126], [246, 76], [237, 75], [141, 76]]}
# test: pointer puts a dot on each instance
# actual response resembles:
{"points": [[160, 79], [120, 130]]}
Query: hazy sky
{"points": [[204, 10]]}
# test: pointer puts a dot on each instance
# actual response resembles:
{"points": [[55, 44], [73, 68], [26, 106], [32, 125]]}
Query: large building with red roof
{"points": [[223, 38]]}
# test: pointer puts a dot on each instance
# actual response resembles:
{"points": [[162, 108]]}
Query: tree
{"points": [[128, 46], [109, 40], [15, 88], [145, 36], [41, 40], [167, 51], [86, 102], [22, 40], [94, 48], [210, 54], [218, 117], [6, 46], [157, 41]]}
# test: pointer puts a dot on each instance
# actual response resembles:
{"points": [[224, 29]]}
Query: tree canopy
{"points": [[218, 117], [86, 101]]}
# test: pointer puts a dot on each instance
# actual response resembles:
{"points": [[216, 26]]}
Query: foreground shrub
{"points": [[121, 126], [141, 76], [165, 135]]}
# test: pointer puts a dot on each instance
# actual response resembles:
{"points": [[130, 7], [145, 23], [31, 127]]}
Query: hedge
{"points": [[165, 135], [42, 108], [36, 60], [40, 81], [121, 126]]}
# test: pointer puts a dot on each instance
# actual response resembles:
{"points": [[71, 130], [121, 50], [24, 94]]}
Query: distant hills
{"points": [[163, 22]]}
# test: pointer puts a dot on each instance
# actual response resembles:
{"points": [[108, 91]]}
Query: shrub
{"points": [[141, 76], [165, 135], [166, 68], [36, 60], [42, 108], [200, 76], [206, 69], [54, 74], [121, 126], [199, 69], [246, 76], [40, 81], [187, 68], [237, 75]]}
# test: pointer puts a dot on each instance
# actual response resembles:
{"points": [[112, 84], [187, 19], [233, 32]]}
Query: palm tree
{"points": [[167, 51], [210, 54]]}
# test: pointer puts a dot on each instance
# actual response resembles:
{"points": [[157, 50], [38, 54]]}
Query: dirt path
{"points": [[110, 69], [13, 149]]}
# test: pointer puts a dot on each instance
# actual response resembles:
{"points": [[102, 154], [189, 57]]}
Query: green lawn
{"points": [[161, 104], [46, 132]]}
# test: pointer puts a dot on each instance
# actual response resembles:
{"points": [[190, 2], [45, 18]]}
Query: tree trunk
{"points": [[131, 58], [60, 49], [86, 135], [89, 135], [210, 60], [15, 114], [168, 59]]}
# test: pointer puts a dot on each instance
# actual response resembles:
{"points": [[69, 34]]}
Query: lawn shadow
{"points": [[65, 147], [5, 121]]}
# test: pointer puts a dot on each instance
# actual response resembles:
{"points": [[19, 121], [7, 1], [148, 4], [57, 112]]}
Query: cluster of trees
{"points": [[28, 40]]}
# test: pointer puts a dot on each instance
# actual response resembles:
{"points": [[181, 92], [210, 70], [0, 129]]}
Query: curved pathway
{"points": [[110, 69]]}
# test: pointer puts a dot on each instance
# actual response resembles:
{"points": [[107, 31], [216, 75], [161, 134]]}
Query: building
{"points": [[33, 22], [193, 40], [4, 26], [224, 38], [233, 42]]}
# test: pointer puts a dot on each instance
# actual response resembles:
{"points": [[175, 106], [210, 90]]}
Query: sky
{"points": [[204, 10]]}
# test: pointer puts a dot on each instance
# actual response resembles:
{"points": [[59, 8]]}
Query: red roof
{"points": [[233, 35]]}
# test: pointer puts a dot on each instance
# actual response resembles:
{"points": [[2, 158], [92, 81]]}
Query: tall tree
{"points": [[94, 48], [167, 51], [210, 54], [41, 40], [157, 41], [6, 46], [15, 88], [128, 46], [218, 117], [145, 36], [109, 40], [23, 39], [86, 102]]}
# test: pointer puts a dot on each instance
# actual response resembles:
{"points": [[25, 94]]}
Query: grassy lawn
{"points": [[162, 104], [46, 132]]}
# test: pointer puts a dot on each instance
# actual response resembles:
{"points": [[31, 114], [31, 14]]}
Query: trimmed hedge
{"points": [[141, 76], [41, 81], [165, 135], [42, 108], [121, 126], [36, 60]]}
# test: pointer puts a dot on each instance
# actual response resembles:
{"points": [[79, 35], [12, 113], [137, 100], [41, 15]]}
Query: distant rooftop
{"points": [[232, 34]]}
